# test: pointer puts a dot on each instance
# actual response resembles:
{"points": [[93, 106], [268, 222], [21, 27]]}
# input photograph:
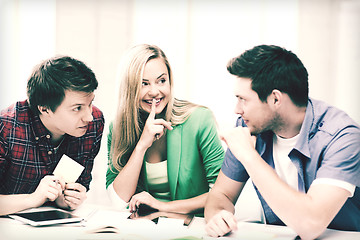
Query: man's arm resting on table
{"points": [[49, 189], [219, 207], [15, 202], [309, 213]]}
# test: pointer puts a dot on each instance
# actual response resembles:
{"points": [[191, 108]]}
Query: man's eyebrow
{"points": [[77, 104], [81, 104]]}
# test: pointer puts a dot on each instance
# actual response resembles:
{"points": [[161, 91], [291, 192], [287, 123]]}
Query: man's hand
{"points": [[49, 189], [239, 141], [221, 223], [74, 195]]}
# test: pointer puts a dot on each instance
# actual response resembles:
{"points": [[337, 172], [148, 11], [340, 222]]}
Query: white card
{"points": [[68, 169]]}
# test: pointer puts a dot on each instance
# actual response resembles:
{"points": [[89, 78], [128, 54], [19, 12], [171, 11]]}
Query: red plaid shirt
{"points": [[27, 155]]}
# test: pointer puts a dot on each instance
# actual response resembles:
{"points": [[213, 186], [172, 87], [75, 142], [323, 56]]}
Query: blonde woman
{"points": [[163, 152]]}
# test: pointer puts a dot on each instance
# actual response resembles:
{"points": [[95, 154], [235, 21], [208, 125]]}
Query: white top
{"points": [[287, 170], [157, 179], [284, 167]]}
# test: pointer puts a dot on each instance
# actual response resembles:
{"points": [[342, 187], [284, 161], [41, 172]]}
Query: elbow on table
{"points": [[310, 229]]}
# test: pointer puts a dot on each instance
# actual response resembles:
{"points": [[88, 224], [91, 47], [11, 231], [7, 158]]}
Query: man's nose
{"points": [[88, 117], [239, 109]]}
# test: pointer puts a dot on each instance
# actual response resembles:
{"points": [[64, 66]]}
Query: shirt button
{"points": [[48, 136], [49, 152]]}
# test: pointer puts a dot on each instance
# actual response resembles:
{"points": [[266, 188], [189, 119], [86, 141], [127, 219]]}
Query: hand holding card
{"points": [[68, 169]]}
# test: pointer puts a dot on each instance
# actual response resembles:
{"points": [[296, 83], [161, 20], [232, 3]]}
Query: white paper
{"points": [[171, 222], [68, 169]]}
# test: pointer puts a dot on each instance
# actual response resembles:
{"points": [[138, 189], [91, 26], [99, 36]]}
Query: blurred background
{"points": [[198, 37]]}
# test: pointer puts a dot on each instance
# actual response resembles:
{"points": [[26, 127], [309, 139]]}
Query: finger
{"points": [[229, 219], [221, 224], [253, 139], [217, 229], [132, 205], [70, 204], [76, 187], [49, 178], [211, 232], [152, 112], [73, 200], [164, 123], [52, 194], [138, 204], [59, 187], [72, 193], [222, 137], [53, 185], [221, 228], [61, 182], [224, 134], [54, 182]]}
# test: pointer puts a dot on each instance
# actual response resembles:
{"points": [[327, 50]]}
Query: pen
{"points": [[90, 214]]}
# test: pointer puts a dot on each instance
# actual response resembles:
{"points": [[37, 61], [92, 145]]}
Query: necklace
{"points": [[58, 146]]}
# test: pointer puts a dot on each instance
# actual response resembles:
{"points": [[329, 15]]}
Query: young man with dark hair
{"points": [[302, 155], [57, 119]]}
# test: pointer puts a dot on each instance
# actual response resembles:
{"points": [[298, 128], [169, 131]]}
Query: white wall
{"points": [[27, 36], [329, 47], [198, 36]]}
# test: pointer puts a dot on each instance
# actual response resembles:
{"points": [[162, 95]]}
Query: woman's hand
{"points": [[144, 198], [154, 128]]}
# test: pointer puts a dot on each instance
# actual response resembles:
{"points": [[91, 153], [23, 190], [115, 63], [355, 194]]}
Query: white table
{"points": [[101, 217]]}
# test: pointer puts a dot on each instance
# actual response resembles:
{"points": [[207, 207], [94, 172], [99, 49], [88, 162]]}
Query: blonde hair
{"points": [[128, 126]]}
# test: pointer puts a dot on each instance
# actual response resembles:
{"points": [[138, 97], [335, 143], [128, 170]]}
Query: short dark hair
{"points": [[51, 78], [271, 67]]}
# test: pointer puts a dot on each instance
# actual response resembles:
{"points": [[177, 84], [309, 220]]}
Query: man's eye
{"points": [[77, 109], [242, 100], [144, 84]]}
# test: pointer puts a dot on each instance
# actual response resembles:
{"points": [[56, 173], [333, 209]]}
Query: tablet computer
{"points": [[46, 217], [147, 212]]}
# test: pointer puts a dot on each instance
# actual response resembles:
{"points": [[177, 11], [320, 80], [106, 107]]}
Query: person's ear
{"points": [[43, 109], [276, 97]]}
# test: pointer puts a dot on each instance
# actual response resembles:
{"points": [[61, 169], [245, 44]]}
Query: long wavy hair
{"points": [[129, 122]]}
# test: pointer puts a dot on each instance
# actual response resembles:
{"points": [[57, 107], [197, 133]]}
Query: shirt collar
{"points": [[39, 130], [262, 140], [306, 131]]}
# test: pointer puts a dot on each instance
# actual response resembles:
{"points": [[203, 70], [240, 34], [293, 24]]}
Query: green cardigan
{"points": [[194, 154]]}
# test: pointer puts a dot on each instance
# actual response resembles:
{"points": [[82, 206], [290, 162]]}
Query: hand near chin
{"points": [[154, 128], [239, 141]]}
